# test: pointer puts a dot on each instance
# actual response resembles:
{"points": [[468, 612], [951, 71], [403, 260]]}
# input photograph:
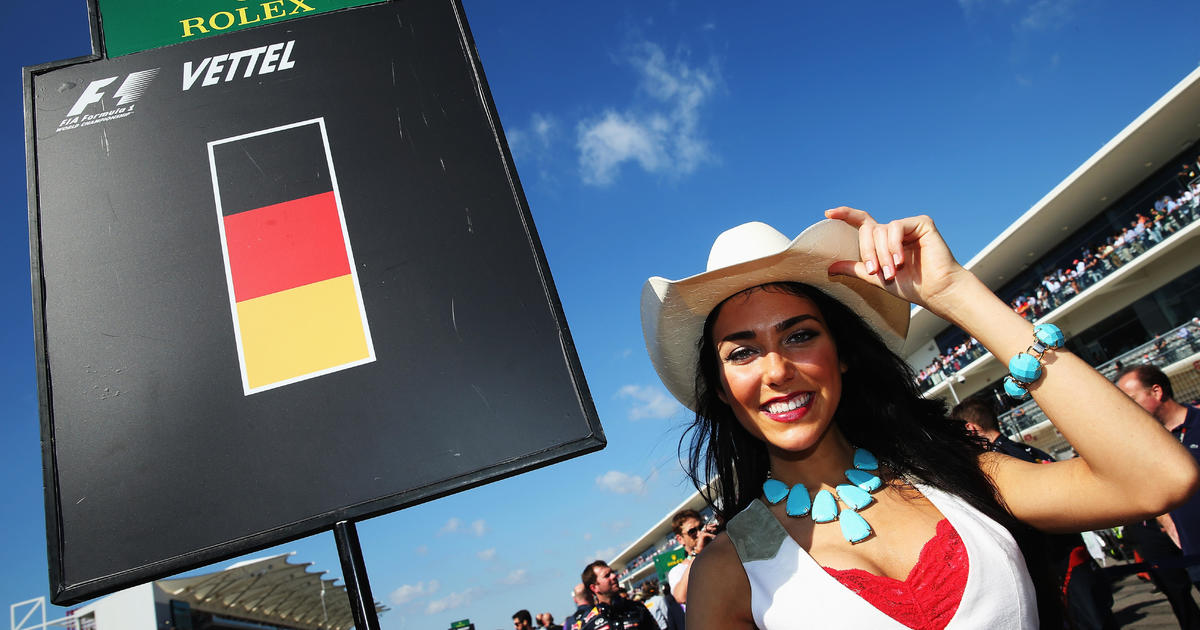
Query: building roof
{"points": [[268, 590], [1157, 135], [657, 531]]}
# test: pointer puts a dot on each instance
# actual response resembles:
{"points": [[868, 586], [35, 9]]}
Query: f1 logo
{"points": [[131, 90]]}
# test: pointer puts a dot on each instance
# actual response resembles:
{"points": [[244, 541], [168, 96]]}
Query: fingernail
{"points": [[887, 272], [870, 266], [896, 259]]}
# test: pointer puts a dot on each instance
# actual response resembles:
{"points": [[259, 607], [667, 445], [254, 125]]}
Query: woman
{"points": [[785, 351]]}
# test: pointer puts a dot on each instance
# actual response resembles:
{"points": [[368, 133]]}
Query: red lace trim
{"points": [[929, 597]]}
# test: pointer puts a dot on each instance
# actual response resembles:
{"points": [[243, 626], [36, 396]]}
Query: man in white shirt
{"points": [[691, 533]]}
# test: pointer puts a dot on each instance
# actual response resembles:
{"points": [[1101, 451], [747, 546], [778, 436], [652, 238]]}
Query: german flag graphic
{"points": [[294, 293]]}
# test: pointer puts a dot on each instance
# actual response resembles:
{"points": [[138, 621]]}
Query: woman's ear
{"points": [[845, 368], [722, 396]]}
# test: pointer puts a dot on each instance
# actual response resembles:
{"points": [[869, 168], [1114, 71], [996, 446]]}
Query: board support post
{"points": [[354, 573]]}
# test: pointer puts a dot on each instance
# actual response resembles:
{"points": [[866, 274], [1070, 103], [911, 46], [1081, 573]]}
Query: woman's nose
{"points": [[777, 369]]}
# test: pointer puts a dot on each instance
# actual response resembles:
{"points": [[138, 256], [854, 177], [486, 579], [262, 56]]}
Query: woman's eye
{"points": [[739, 355], [800, 336]]}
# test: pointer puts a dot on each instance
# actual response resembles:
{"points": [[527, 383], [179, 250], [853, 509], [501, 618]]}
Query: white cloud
{"points": [[456, 526], [968, 6], [533, 141], [487, 554], [451, 601], [519, 576], [1045, 14], [543, 127], [406, 593], [587, 535], [410, 592], [422, 550], [605, 554], [1026, 15], [453, 525], [618, 482], [615, 138], [648, 402], [664, 138]]}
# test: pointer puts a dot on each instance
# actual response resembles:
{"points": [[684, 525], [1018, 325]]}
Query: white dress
{"points": [[788, 589]]}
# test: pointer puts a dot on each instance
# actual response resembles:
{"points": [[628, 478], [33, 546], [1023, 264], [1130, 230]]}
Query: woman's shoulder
{"points": [[718, 589], [754, 533], [719, 554]]}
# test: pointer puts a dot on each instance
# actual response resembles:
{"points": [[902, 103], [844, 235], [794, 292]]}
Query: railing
{"points": [[1177, 345], [1104, 263], [1180, 343], [25, 616], [953, 362], [647, 557]]}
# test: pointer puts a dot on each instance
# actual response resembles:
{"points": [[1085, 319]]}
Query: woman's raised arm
{"points": [[1128, 467]]}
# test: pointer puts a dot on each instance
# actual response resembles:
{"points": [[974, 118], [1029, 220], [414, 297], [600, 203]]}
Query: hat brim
{"points": [[673, 312]]}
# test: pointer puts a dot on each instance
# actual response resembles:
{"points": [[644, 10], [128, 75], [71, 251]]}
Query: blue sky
{"points": [[640, 131]]}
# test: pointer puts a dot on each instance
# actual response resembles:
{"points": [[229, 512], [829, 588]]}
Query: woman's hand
{"points": [[907, 257]]}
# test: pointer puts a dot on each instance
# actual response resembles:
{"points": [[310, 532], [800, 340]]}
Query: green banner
{"points": [[131, 26], [463, 623], [664, 561]]}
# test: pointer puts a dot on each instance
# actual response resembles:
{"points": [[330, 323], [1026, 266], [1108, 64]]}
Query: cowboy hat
{"points": [[749, 255]]}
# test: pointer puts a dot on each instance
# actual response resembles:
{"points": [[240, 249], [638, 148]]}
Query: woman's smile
{"points": [[788, 408]]}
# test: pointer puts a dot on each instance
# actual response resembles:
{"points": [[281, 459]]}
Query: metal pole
{"points": [[354, 572], [950, 382]]}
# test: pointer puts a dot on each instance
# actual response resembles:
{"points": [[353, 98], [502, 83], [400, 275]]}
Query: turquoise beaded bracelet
{"points": [[1026, 367]]}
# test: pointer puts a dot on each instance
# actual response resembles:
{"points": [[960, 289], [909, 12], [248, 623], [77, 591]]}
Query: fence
{"points": [[1174, 352]]}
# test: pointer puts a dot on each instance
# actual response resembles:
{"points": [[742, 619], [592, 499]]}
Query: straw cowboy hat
{"points": [[751, 254]]}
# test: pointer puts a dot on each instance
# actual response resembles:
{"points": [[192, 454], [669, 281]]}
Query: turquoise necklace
{"points": [[855, 495]]}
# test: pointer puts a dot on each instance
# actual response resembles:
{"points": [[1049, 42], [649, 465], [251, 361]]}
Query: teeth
{"points": [[788, 405]]}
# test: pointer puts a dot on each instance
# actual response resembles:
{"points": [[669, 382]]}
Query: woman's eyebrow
{"points": [[792, 321], [738, 336], [780, 327]]}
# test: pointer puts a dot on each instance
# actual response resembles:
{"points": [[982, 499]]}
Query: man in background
{"points": [[610, 611], [980, 418], [1150, 388], [583, 602], [522, 620], [655, 603], [691, 533]]}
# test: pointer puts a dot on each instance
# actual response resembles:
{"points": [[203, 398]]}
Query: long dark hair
{"points": [[880, 410]]}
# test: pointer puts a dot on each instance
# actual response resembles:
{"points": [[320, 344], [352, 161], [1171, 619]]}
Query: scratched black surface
{"points": [[271, 168], [158, 461]]}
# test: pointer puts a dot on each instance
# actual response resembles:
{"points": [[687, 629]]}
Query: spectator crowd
{"points": [[1168, 215], [602, 603]]}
